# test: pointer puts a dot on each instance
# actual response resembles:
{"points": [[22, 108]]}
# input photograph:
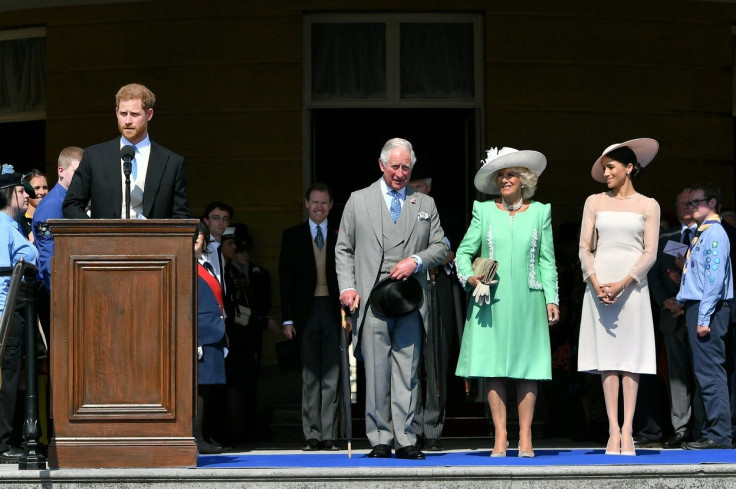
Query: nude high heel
{"points": [[628, 452], [611, 451], [500, 454]]}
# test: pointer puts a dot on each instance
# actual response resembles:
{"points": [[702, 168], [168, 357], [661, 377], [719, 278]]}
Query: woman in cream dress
{"points": [[618, 246]]}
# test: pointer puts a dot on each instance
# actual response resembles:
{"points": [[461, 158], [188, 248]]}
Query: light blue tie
{"points": [[134, 166], [395, 205], [319, 239]]}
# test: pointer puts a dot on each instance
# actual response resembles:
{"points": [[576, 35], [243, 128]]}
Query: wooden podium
{"points": [[123, 340]]}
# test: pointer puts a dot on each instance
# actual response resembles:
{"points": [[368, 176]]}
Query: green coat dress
{"points": [[510, 336]]}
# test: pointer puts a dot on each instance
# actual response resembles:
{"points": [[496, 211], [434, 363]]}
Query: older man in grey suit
{"points": [[388, 229]]}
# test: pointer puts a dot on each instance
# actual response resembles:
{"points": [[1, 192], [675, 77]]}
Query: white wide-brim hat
{"points": [[506, 158], [644, 148]]}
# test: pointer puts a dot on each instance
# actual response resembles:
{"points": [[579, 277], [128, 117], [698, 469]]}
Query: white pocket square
{"points": [[423, 216]]}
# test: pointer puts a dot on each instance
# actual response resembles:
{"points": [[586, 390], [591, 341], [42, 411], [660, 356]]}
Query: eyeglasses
{"points": [[220, 218], [694, 203]]}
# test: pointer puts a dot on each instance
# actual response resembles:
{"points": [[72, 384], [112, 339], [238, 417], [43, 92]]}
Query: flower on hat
{"points": [[491, 154], [7, 168]]}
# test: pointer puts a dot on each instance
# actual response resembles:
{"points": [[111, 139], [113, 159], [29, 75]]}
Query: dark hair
{"points": [[205, 231], [33, 174], [5, 195], [625, 155], [319, 187], [215, 205], [710, 191]]}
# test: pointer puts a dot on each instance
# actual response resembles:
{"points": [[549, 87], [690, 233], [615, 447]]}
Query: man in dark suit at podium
{"points": [[310, 309], [158, 187]]}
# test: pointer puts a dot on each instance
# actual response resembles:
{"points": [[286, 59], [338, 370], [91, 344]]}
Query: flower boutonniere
{"points": [[413, 200], [423, 216]]}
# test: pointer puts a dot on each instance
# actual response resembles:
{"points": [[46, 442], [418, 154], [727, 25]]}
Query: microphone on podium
{"points": [[127, 153]]}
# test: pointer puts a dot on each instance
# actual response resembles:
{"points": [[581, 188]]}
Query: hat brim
{"points": [[29, 189], [396, 298], [645, 150], [529, 159]]}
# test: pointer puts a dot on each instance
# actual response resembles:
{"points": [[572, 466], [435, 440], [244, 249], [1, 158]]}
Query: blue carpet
{"points": [[471, 458]]}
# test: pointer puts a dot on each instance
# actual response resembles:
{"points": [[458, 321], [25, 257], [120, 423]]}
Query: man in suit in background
{"points": [[388, 229], [158, 187], [429, 418], [217, 217], [673, 328], [310, 310]]}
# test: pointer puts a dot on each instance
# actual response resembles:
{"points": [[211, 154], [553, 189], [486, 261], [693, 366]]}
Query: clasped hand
{"points": [[609, 292]]}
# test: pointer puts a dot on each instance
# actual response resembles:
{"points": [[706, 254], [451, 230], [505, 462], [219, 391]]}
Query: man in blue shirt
{"points": [[50, 208], [707, 293]]}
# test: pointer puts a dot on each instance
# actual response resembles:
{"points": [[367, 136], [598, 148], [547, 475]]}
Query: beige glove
{"points": [[482, 293]]}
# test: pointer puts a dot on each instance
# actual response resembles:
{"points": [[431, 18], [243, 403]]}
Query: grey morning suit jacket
{"points": [[359, 243]]}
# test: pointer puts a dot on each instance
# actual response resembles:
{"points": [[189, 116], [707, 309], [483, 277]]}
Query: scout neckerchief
{"points": [[715, 218]]}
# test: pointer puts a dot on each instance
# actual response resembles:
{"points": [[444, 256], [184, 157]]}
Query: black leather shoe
{"points": [[11, 455], [703, 444], [420, 442], [410, 453], [432, 445], [380, 451], [312, 445], [329, 445], [205, 448], [642, 442], [675, 441]]}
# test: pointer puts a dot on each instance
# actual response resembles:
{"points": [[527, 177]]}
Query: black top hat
{"points": [[394, 298]]}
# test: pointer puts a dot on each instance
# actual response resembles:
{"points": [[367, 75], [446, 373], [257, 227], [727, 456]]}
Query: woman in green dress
{"points": [[506, 330]]}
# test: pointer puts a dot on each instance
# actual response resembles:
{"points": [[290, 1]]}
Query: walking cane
{"points": [[345, 383]]}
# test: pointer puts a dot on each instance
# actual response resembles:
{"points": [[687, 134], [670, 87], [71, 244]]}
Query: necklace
{"points": [[513, 207]]}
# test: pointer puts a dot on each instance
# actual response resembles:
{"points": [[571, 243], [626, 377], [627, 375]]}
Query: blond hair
{"points": [[528, 179], [69, 155]]}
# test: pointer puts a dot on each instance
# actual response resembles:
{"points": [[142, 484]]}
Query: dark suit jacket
{"points": [[660, 285], [246, 342], [298, 274], [99, 178]]}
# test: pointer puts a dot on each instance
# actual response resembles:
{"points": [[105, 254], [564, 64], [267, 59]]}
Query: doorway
{"points": [[346, 144]]}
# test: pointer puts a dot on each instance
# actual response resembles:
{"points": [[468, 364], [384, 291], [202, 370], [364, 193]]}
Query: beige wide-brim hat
{"points": [[644, 148], [506, 158]]}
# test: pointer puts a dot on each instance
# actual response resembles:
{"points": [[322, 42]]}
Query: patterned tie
{"points": [[319, 239], [134, 166], [395, 205]]}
